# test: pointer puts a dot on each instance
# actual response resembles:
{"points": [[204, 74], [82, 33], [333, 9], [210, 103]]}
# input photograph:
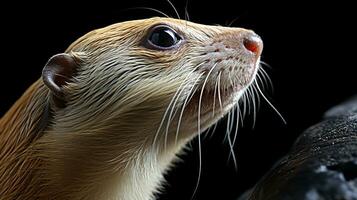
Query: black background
{"points": [[310, 47]]}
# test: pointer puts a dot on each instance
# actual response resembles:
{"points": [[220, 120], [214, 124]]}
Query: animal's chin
{"points": [[207, 107], [213, 106]]}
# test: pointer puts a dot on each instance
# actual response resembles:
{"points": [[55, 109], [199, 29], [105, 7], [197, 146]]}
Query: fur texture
{"points": [[128, 112]]}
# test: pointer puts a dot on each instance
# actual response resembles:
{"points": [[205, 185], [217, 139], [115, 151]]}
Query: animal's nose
{"points": [[253, 43]]}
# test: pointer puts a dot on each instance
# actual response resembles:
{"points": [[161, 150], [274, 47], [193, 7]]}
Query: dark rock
{"points": [[347, 108], [322, 164]]}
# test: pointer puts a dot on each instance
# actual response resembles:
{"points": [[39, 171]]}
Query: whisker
{"points": [[231, 121], [244, 104], [265, 64], [206, 132], [230, 142], [254, 86], [151, 9], [242, 114], [214, 97], [165, 114], [200, 166], [237, 124], [230, 79], [172, 5], [172, 113], [199, 130], [227, 126], [260, 80], [219, 91], [170, 106], [187, 17], [188, 98], [249, 96], [254, 106], [267, 78], [214, 130], [234, 20], [271, 105], [169, 120]]}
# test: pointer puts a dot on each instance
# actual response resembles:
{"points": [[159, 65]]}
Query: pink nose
{"points": [[253, 43]]}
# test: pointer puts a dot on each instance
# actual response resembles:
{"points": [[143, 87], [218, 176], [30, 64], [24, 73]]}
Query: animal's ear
{"points": [[58, 71]]}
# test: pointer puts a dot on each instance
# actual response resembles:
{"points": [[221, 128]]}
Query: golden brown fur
{"points": [[19, 127], [105, 143]]}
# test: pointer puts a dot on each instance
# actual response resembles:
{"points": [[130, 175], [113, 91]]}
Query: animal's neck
{"points": [[133, 173], [144, 176], [19, 127]]}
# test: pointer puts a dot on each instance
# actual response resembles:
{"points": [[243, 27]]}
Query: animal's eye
{"points": [[162, 38]]}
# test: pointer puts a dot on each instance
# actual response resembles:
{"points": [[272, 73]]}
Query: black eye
{"points": [[163, 37]]}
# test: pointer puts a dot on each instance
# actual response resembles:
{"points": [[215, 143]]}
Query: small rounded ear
{"points": [[58, 72]]}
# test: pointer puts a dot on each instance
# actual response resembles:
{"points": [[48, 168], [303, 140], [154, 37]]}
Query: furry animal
{"points": [[109, 115]]}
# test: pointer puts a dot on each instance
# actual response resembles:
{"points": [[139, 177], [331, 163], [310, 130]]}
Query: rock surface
{"points": [[322, 164]]}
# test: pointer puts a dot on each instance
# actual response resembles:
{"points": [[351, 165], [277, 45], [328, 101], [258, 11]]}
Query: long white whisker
{"points": [[254, 106], [172, 113], [244, 104], [267, 78], [232, 114], [228, 132], [249, 96], [255, 90], [237, 124], [170, 106], [265, 64], [219, 90], [242, 114], [214, 96], [213, 130], [199, 129], [199, 165], [261, 80], [191, 92], [169, 119], [227, 126], [271, 105]]}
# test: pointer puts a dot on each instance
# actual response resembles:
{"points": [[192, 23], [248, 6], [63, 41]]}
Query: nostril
{"points": [[253, 43]]}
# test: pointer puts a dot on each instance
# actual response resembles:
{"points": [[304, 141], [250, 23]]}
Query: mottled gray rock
{"points": [[322, 164], [347, 108]]}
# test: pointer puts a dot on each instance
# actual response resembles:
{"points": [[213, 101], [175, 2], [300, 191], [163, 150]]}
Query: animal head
{"points": [[151, 75]]}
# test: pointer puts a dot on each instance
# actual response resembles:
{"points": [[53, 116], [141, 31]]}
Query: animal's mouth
{"points": [[207, 106]]}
